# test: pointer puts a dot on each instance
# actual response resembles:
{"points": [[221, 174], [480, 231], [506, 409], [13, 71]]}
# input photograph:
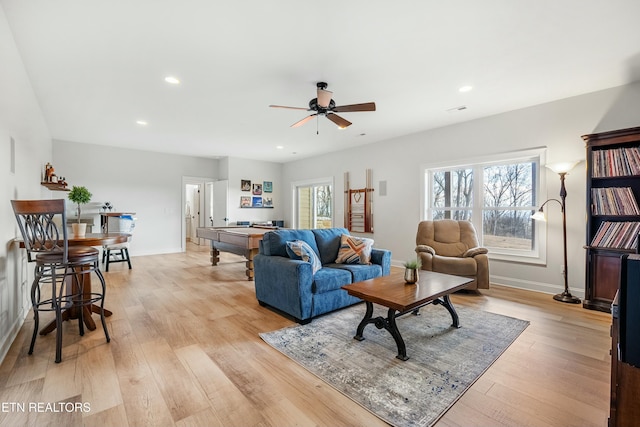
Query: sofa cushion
{"points": [[275, 242], [330, 279], [354, 250], [299, 249], [359, 272], [328, 243]]}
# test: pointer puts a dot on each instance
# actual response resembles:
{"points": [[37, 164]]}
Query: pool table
{"points": [[237, 240]]}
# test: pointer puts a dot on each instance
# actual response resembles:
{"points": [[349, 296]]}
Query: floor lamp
{"points": [[561, 169]]}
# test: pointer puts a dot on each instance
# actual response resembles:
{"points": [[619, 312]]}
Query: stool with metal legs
{"points": [[47, 244], [119, 252]]}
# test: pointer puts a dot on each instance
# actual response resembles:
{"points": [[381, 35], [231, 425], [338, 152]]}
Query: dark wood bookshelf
{"points": [[603, 263]]}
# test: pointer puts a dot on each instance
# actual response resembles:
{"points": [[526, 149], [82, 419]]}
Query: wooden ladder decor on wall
{"points": [[358, 214]]}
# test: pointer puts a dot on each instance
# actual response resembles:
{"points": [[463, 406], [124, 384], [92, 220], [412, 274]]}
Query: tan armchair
{"points": [[451, 247]]}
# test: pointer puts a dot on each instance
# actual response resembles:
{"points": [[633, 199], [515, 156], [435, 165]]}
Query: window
{"points": [[314, 204], [498, 196], [453, 194], [508, 206]]}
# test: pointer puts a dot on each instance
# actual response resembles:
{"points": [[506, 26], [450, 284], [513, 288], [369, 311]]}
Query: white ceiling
{"points": [[98, 66]]}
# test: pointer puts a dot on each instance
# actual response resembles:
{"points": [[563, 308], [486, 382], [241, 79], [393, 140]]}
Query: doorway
{"points": [[195, 209]]}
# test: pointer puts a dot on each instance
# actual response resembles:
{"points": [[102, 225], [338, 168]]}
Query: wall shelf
{"points": [[54, 186]]}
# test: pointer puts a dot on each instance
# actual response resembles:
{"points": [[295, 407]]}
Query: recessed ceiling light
{"points": [[280, 147], [465, 89], [172, 80], [141, 122]]}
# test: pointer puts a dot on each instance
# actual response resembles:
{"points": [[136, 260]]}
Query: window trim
{"points": [[538, 255]]}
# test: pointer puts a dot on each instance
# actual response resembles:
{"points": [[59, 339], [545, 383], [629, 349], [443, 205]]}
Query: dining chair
{"points": [[47, 243], [119, 252]]}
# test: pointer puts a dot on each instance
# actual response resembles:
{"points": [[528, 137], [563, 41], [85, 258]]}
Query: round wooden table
{"points": [[89, 239], [98, 239]]}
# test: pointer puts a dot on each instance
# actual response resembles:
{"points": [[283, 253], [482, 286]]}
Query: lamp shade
{"points": [[539, 216], [563, 167]]}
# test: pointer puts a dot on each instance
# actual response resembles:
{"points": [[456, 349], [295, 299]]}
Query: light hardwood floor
{"points": [[185, 351]]}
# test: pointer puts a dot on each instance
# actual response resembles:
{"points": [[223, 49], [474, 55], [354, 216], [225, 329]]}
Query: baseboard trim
{"points": [[8, 339], [546, 288]]}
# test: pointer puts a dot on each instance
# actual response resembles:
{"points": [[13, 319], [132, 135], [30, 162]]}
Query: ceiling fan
{"points": [[324, 105]]}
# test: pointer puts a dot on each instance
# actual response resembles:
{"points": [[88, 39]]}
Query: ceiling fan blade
{"points": [[367, 106], [290, 108], [324, 97], [303, 121], [342, 123]]}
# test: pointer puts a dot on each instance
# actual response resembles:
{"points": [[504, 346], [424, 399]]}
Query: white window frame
{"points": [[311, 183], [535, 256]]}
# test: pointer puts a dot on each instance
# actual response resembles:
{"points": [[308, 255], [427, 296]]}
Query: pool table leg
{"points": [[215, 254], [249, 254]]}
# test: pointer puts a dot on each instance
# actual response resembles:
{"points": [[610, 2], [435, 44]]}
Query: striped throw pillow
{"points": [[299, 249], [354, 250]]}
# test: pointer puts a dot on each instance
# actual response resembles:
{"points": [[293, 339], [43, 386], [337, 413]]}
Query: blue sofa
{"points": [[290, 286]]}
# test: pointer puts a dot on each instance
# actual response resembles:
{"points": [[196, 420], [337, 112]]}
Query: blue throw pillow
{"points": [[299, 249]]}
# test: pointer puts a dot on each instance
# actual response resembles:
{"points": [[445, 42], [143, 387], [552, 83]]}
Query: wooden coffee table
{"points": [[400, 298]]}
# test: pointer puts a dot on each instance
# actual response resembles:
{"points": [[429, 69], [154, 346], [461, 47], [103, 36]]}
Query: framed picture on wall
{"points": [[267, 202], [245, 201], [257, 189], [245, 185], [257, 202], [267, 187]]}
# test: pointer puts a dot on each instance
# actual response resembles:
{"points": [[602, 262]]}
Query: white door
{"points": [[192, 211], [195, 214], [219, 209], [208, 204]]}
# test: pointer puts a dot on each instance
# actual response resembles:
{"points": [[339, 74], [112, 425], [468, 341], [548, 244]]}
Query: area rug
{"points": [[443, 361]]}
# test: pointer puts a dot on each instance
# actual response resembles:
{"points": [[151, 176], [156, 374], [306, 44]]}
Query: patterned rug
{"points": [[443, 361]]}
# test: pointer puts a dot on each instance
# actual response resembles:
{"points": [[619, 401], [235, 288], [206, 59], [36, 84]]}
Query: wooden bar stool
{"points": [[48, 246]]}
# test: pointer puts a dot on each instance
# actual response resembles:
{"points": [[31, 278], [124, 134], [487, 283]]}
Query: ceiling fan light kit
{"points": [[324, 105]]}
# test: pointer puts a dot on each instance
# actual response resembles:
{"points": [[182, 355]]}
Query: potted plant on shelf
{"points": [[411, 268], [79, 196]]}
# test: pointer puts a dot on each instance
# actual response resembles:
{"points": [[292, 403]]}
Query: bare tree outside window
{"points": [[508, 204], [505, 204], [453, 189], [323, 205]]}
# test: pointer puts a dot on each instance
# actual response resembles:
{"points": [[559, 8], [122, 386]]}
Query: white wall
{"points": [[256, 172], [20, 119], [557, 125], [147, 183]]}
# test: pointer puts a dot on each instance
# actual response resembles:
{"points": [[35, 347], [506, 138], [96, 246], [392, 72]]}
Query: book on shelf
{"points": [[613, 201], [624, 161], [616, 234]]}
